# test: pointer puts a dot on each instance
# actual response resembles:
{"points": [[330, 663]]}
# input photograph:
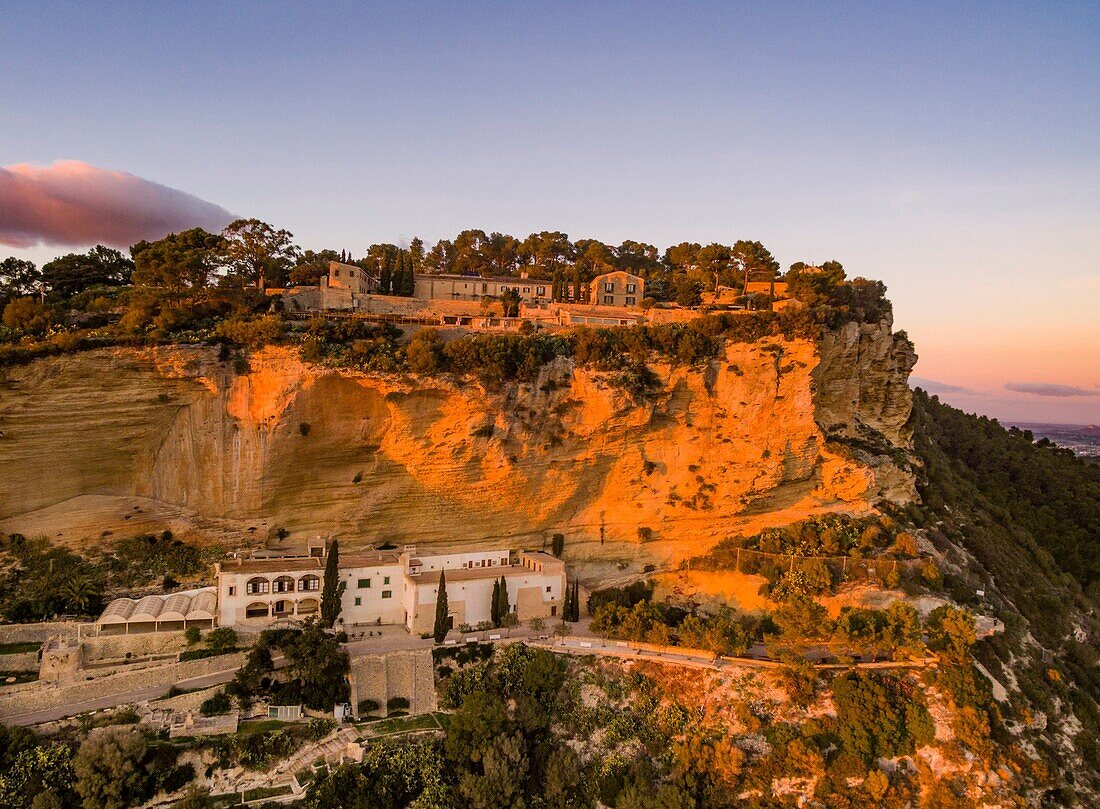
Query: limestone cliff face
{"points": [[768, 433]]}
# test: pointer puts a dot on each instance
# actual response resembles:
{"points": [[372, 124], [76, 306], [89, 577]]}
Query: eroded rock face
{"points": [[741, 444]]}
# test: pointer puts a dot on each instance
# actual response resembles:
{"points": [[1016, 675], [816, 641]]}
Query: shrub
{"points": [[216, 705], [192, 635], [367, 706]]}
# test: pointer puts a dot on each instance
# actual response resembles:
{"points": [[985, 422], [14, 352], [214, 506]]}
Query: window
{"points": [[358, 602], [364, 583], [540, 290], [609, 286], [629, 301], [527, 290], [608, 300], [352, 273], [630, 288], [309, 583], [548, 588], [336, 273], [387, 594], [504, 561], [386, 580], [553, 611], [232, 590], [257, 586]]}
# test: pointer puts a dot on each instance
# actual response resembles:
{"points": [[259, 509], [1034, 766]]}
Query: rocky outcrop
{"points": [[769, 433]]}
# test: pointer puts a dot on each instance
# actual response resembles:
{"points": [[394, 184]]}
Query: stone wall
{"points": [[381, 677], [24, 661], [41, 696], [24, 633]]}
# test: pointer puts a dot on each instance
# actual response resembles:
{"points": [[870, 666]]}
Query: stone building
{"points": [[474, 288], [618, 288]]}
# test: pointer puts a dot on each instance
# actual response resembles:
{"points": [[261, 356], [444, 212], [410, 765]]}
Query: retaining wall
{"points": [[45, 695], [409, 674], [24, 661], [22, 633]]}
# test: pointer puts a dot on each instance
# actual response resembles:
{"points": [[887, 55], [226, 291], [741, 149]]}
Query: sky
{"points": [[950, 150]]}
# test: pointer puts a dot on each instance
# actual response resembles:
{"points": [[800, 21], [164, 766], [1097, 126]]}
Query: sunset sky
{"points": [[951, 150]]}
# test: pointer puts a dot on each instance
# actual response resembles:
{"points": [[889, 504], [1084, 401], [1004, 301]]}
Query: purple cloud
{"points": [[1045, 389], [71, 203]]}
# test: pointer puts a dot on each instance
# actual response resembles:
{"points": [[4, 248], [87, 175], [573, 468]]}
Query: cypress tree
{"points": [[385, 275], [333, 589], [567, 603], [502, 605], [441, 609], [494, 608], [576, 603], [410, 275]]}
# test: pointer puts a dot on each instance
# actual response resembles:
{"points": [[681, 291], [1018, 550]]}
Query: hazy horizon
{"points": [[948, 150]]}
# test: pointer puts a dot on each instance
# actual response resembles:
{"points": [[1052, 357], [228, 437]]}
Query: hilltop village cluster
{"points": [[616, 298]]}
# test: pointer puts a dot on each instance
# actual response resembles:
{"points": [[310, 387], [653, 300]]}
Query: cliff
{"points": [[109, 440]]}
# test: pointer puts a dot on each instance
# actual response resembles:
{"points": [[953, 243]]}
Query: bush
{"points": [[216, 705], [367, 706], [192, 635], [221, 638]]}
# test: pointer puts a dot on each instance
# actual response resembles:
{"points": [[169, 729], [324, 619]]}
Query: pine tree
{"points": [[502, 604], [441, 609], [333, 590], [494, 608]]}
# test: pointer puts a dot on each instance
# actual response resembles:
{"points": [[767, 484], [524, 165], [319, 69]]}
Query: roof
{"points": [[473, 573], [190, 605], [301, 564], [619, 272]]}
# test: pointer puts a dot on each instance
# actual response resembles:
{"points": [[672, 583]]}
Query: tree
{"points": [[180, 262], [567, 603], [27, 314], [314, 266], [754, 261], [499, 785], [385, 274], [409, 288], [37, 777], [416, 253], [332, 591], [317, 660], [110, 771], [75, 272], [503, 608], [259, 253], [18, 278], [441, 610], [441, 258], [510, 300], [557, 544], [494, 606]]}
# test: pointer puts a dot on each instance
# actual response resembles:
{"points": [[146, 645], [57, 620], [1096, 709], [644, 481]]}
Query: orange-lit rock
{"points": [[732, 447]]}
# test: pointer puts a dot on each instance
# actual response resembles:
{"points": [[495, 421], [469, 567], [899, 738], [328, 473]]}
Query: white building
{"points": [[390, 587]]}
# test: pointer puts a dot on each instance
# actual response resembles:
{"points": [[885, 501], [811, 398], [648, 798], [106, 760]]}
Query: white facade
{"points": [[387, 587]]}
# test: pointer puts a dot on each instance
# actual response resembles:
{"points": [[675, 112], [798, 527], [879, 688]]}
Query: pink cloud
{"points": [[72, 203]]}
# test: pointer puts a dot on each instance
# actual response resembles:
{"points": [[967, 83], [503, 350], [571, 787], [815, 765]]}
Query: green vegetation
{"points": [[442, 621], [332, 590], [43, 580], [1028, 514], [315, 674]]}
